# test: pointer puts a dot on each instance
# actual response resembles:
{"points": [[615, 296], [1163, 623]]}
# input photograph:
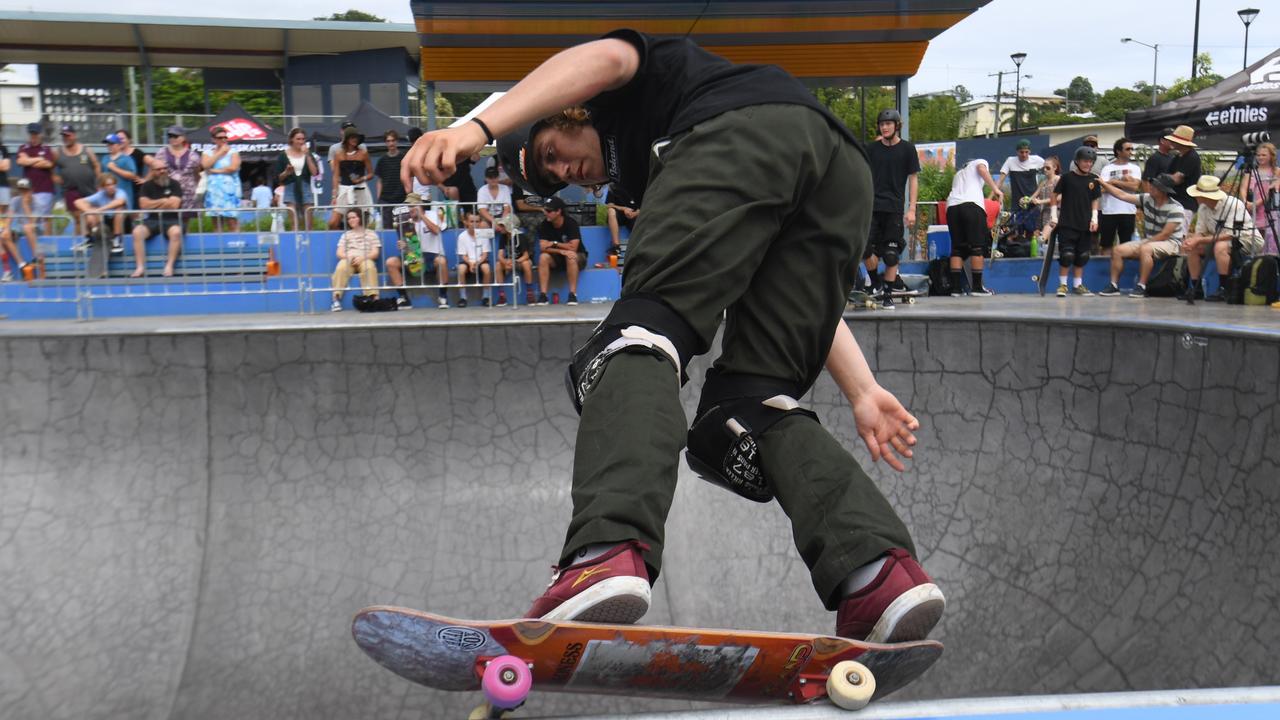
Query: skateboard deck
{"points": [[736, 666], [408, 232], [1050, 248], [862, 300]]}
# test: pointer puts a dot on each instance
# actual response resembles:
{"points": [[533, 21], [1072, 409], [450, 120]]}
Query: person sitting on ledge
{"points": [[560, 241], [162, 195], [109, 197], [1220, 220], [358, 250], [1160, 235]]}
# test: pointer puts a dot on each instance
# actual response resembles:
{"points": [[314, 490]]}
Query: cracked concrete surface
{"points": [[188, 522]]}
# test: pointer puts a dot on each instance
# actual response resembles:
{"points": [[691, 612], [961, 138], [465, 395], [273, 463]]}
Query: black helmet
{"points": [[1084, 152], [889, 115]]}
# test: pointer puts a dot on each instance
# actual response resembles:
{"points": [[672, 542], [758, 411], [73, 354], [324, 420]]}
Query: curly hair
{"points": [[569, 118]]}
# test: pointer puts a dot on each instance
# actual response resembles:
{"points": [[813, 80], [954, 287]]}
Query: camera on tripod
{"points": [[1252, 140]]}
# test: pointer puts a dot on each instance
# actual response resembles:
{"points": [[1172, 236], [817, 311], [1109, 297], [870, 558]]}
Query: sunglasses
{"points": [[219, 137]]}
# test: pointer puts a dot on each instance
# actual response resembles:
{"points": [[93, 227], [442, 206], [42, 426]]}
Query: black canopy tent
{"points": [[370, 121], [254, 140], [1246, 102]]}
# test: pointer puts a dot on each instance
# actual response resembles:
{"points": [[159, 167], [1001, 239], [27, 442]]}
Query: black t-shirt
{"points": [[567, 231], [891, 165], [461, 179], [390, 189], [1078, 193], [1157, 164], [1189, 166], [153, 190], [677, 86], [4, 155]]}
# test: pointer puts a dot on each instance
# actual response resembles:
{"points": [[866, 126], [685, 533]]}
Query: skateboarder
{"points": [[894, 165], [1076, 196], [757, 202]]}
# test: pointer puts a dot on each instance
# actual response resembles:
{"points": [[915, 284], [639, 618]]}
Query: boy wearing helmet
{"points": [[894, 165], [728, 228], [1075, 200]]}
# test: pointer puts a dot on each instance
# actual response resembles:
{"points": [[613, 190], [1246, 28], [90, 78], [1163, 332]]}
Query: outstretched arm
{"points": [[882, 422], [568, 78]]}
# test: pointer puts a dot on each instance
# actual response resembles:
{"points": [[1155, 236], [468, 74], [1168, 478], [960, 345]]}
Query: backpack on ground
{"points": [[939, 277], [1169, 278], [373, 303], [1260, 280]]}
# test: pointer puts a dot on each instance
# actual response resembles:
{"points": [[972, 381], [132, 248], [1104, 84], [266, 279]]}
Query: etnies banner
{"points": [[1246, 102]]}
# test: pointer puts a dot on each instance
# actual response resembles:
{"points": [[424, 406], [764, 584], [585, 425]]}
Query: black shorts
{"points": [[156, 228], [967, 223], [1075, 244], [556, 261], [623, 220], [1111, 225], [886, 234]]}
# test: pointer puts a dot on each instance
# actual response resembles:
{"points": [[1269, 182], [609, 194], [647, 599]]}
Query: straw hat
{"points": [[1183, 135], [1207, 188]]}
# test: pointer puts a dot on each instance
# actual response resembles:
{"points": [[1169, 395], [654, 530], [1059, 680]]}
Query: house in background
{"points": [[979, 117], [19, 102]]}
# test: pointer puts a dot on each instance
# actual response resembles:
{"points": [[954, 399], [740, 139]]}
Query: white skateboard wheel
{"points": [[850, 685]]}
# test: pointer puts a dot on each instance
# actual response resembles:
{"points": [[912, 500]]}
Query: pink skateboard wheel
{"points": [[506, 682]]}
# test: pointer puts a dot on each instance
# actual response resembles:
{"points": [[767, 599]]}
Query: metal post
{"points": [[431, 105], [1195, 42], [1017, 103], [146, 85], [1155, 64], [999, 91], [904, 108]]}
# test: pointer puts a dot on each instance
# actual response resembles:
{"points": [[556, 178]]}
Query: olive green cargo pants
{"points": [[761, 211]]}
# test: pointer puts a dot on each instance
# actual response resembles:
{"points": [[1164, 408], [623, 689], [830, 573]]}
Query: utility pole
{"points": [[1195, 42]]}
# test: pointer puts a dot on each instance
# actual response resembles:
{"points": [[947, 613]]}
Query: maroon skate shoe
{"points": [[612, 588], [900, 604]]}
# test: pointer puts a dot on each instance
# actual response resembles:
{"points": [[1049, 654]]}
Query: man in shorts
{"points": [[1116, 221], [560, 243], [161, 196], [967, 224], [894, 165], [1221, 220], [76, 170], [1076, 199], [1163, 228], [37, 162], [757, 203]]}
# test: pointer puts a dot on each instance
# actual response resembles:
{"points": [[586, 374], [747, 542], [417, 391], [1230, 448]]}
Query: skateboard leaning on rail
{"points": [[507, 659]]}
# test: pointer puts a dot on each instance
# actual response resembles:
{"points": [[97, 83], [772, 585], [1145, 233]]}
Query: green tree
{"points": [[352, 16], [1114, 103], [1144, 88], [935, 118], [181, 92], [1206, 77], [464, 103], [846, 104], [1079, 91]]}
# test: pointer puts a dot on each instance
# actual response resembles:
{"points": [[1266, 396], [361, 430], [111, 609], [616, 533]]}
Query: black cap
{"points": [[1165, 183], [34, 128], [347, 123], [554, 203], [68, 129], [491, 171], [515, 152]]}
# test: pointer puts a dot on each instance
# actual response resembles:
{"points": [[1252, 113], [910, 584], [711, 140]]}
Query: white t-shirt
{"points": [[261, 196], [432, 242], [470, 246], [1014, 164], [1228, 214], [1112, 205], [494, 202], [967, 185]]}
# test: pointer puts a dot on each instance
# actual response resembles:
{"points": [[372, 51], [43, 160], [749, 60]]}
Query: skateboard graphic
{"points": [[507, 658], [1050, 247], [408, 234], [862, 300]]}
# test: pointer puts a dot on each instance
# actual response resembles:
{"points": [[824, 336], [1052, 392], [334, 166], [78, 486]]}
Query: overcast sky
{"points": [[1062, 38]]}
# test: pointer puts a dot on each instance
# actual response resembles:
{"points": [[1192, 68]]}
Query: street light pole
{"points": [[1195, 42], [1017, 92], [1154, 65], [1247, 17]]}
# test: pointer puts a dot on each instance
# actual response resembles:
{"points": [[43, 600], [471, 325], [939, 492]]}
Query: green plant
{"points": [[934, 183]]}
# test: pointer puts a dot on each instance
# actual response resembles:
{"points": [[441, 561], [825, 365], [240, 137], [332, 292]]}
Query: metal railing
{"points": [[316, 287], [92, 126]]}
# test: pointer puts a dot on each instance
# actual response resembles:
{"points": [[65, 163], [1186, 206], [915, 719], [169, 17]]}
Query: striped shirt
{"points": [[390, 189], [1154, 218], [362, 242]]}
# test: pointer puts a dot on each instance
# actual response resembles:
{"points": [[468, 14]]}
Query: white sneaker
{"points": [[336, 306], [443, 303], [6, 277], [117, 245]]}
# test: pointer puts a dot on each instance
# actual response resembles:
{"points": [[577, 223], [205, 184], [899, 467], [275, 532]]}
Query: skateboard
{"points": [[1050, 248], [507, 658], [862, 300], [408, 233]]}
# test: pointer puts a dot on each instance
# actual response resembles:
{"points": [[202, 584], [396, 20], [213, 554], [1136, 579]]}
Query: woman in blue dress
{"points": [[222, 189]]}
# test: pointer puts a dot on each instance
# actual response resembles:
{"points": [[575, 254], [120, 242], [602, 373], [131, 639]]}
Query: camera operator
{"points": [[1220, 220]]}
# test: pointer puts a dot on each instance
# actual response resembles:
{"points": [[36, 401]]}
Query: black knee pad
{"points": [[960, 252], [723, 440], [637, 324], [1066, 258], [1082, 259], [891, 258]]}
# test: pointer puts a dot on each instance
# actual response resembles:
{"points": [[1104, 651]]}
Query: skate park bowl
{"points": [[191, 511]]}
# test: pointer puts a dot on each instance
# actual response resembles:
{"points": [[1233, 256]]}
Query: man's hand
{"points": [[434, 157], [1093, 226], [885, 426], [630, 213], [910, 218]]}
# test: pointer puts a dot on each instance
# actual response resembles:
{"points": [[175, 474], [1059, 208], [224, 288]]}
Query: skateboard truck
{"points": [[505, 681], [850, 685]]}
